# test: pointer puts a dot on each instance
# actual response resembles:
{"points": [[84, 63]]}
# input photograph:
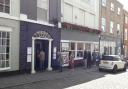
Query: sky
{"points": [[125, 3]]}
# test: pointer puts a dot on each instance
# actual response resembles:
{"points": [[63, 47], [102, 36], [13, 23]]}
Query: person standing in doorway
{"points": [[60, 60], [71, 60], [42, 59], [85, 59]]}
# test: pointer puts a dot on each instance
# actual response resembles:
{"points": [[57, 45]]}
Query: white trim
{"points": [[41, 38], [79, 41], [21, 18], [33, 52], [3, 69], [8, 16], [5, 29], [37, 22]]}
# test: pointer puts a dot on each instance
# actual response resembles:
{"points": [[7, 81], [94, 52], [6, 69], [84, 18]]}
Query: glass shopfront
{"points": [[78, 47]]}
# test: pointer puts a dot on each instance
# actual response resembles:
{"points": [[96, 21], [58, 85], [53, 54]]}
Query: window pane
{"points": [[72, 46], [80, 54], [1, 8], [7, 50], [80, 46], [7, 9], [1, 49], [0, 63], [3, 34], [88, 46], [8, 42], [0, 57], [8, 35], [7, 2], [3, 64], [0, 41], [7, 56], [1, 1], [4, 41], [7, 63], [64, 46]]}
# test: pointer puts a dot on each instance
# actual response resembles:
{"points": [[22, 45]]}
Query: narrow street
{"points": [[79, 79]]}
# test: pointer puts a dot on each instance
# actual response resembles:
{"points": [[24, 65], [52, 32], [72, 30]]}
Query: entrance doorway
{"points": [[41, 45], [41, 40]]}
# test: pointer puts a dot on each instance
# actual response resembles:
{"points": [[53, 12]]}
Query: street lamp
{"points": [[99, 43]]}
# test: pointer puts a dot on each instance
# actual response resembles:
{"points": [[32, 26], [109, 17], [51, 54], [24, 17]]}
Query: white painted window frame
{"points": [[103, 24], [9, 8], [111, 26], [104, 2], [47, 11], [118, 11], [7, 29], [112, 6], [76, 50], [126, 34]]}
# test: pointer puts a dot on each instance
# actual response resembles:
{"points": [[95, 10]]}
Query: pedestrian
{"points": [[60, 59], [42, 59], [94, 57], [97, 59], [85, 59], [89, 60], [71, 60]]}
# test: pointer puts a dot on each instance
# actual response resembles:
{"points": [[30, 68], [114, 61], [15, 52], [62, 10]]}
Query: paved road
{"points": [[79, 79]]}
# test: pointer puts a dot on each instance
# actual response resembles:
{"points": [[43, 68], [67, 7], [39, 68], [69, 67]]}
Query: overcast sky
{"points": [[125, 3]]}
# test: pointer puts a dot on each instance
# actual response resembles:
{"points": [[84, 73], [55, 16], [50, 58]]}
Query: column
{"points": [[33, 61], [49, 56]]}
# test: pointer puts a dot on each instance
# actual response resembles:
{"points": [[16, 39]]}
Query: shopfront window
{"points": [[72, 46], [87, 46], [76, 47], [64, 47], [4, 50], [80, 49]]}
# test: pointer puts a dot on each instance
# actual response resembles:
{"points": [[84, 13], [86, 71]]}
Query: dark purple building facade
{"points": [[36, 36]]}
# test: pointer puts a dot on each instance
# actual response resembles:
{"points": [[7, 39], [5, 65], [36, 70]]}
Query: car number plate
{"points": [[105, 62]]}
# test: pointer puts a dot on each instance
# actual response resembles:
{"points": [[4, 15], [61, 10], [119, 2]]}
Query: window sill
{"points": [[3, 69], [8, 16]]}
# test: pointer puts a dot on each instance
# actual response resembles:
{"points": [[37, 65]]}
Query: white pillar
{"points": [[49, 56], [33, 57]]}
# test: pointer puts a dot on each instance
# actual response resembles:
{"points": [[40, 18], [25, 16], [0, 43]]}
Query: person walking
{"points": [[94, 57], [89, 60], [60, 60], [97, 59], [85, 59], [42, 59], [71, 60]]}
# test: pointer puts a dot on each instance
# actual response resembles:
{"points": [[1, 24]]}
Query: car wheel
{"points": [[115, 69], [124, 69]]}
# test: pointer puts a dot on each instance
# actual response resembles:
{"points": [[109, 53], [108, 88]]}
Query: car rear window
{"points": [[111, 58]]}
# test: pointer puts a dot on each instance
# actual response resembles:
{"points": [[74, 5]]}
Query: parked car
{"points": [[126, 60], [112, 62]]}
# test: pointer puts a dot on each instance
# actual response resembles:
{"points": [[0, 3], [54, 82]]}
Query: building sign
{"points": [[29, 54], [65, 56], [54, 52]]}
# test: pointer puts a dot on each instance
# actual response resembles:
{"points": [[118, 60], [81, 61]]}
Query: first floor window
{"points": [[104, 3], [103, 24], [126, 34], [5, 6], [4, 49], [111, 26]]}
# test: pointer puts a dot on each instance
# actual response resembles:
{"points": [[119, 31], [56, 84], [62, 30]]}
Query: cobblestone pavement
{"points": [[79, 79]]}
